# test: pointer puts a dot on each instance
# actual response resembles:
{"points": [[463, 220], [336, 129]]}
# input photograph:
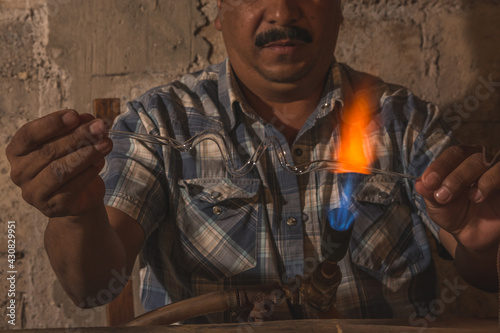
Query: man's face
{"points": [[280, 41]]}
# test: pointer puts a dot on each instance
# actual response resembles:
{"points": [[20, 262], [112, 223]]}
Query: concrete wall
{"points": [[65, 53]]}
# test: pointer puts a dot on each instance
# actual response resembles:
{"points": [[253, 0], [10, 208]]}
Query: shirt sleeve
{"points": [[425, 138], [134, 174]]}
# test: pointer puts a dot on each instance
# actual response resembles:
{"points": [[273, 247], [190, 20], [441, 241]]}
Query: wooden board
{"points": [[310, 326], [107, 109]]}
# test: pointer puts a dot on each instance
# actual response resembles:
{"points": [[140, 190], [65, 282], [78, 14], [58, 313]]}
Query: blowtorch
{"points": [[319, 289]]}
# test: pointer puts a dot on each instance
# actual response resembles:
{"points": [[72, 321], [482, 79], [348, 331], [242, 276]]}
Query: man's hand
{"points": [[462, 194], [55, 160]]}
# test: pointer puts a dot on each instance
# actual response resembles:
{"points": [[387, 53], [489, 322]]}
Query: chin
{"points": [[283, 76]]}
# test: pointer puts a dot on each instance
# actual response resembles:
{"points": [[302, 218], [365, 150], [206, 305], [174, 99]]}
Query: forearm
{"points": [[88, 257], [478, 269]]}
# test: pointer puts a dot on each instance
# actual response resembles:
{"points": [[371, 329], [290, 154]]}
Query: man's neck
{"points": [[286, 111]]}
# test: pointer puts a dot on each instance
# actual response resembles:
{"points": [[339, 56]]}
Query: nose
{"points": [[282, 12]]}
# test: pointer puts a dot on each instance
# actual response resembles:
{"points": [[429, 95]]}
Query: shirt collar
{"points": [[337, 89], [230, 95]]}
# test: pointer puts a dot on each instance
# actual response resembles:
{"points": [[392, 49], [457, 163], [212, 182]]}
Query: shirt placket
{"points": [[288, 226]]}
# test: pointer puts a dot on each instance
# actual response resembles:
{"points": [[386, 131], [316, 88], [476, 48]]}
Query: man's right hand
{"points": [[56, 161]]}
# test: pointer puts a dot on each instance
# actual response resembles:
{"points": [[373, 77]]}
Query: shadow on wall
{"points": [[477, 114], [474, 114]]}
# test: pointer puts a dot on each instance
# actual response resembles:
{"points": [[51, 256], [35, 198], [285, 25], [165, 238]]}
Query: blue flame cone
{"points": [[337, 234]]}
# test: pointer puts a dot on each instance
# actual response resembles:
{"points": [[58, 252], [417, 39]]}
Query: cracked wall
{"points": [[65, 53]]}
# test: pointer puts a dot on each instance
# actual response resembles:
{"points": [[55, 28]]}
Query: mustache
{"points": [[274, 35]]}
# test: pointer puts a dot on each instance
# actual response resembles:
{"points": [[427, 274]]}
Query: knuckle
{"points": [[82, 137], [25, 137], [48, 152], [455, 181], [72, 142], [16, 175], [28, 195], [59, 171], [77, 159], [86, 152], [52, 208]]}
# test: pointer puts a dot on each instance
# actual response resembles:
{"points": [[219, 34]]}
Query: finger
{"points": [[85, 135], [70, 166], [488, 184], [77, 196], [100, 164], [448, 161], [33, 163], [426, 193], [34, 133], [62, 171], [86, 117], [460, 180]]}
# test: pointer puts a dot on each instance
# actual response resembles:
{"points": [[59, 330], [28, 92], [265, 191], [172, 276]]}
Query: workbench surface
{"points": [[308, 326]]}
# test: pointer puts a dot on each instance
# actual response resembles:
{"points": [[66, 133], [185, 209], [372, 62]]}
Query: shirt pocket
{"points": [[217, 220], [383, 242]]}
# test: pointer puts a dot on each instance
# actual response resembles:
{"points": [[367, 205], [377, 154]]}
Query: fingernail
{"points": [[102, 146], [70, 118], [107, 123], [97, 128], [476, 195], [432, 179], [442, 194]]}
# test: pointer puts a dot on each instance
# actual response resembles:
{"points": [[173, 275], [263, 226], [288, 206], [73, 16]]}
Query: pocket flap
{"points": [[214, 190], [378, 189]]}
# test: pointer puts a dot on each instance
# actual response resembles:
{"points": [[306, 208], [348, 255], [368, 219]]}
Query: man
{"points": [[199, 229]]}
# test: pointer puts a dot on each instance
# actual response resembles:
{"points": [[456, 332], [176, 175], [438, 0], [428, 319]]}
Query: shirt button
{"points": [[383, 195], [291, 221], [305, 217], [215, 194], [217, 210], [298, 152]]}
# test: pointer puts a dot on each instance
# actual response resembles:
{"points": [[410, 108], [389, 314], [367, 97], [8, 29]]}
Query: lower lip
{"points": [[285, 49]]}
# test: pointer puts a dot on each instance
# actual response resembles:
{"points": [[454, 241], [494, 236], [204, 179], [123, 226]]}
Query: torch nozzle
{"points": [[337, 234], [328, 269]]}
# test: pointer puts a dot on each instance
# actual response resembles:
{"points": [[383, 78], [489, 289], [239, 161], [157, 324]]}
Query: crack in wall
{"points": [[201, 60]]}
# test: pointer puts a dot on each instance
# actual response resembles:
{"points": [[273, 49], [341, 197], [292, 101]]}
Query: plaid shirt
{"points": [[207, 230]]}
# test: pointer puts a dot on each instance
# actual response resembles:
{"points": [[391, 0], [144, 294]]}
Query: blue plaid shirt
{"points": [[207, 230]]}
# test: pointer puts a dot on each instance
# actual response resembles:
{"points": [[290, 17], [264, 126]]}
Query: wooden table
{"points": [[308, 326]]}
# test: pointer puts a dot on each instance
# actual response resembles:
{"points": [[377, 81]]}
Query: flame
{"points": [[355, 153]]}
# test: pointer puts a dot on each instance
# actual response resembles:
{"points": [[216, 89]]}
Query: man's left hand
{"points": [[462, 194]]}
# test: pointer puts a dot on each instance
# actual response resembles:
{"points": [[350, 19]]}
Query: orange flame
{"points": [[355, 153]]}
